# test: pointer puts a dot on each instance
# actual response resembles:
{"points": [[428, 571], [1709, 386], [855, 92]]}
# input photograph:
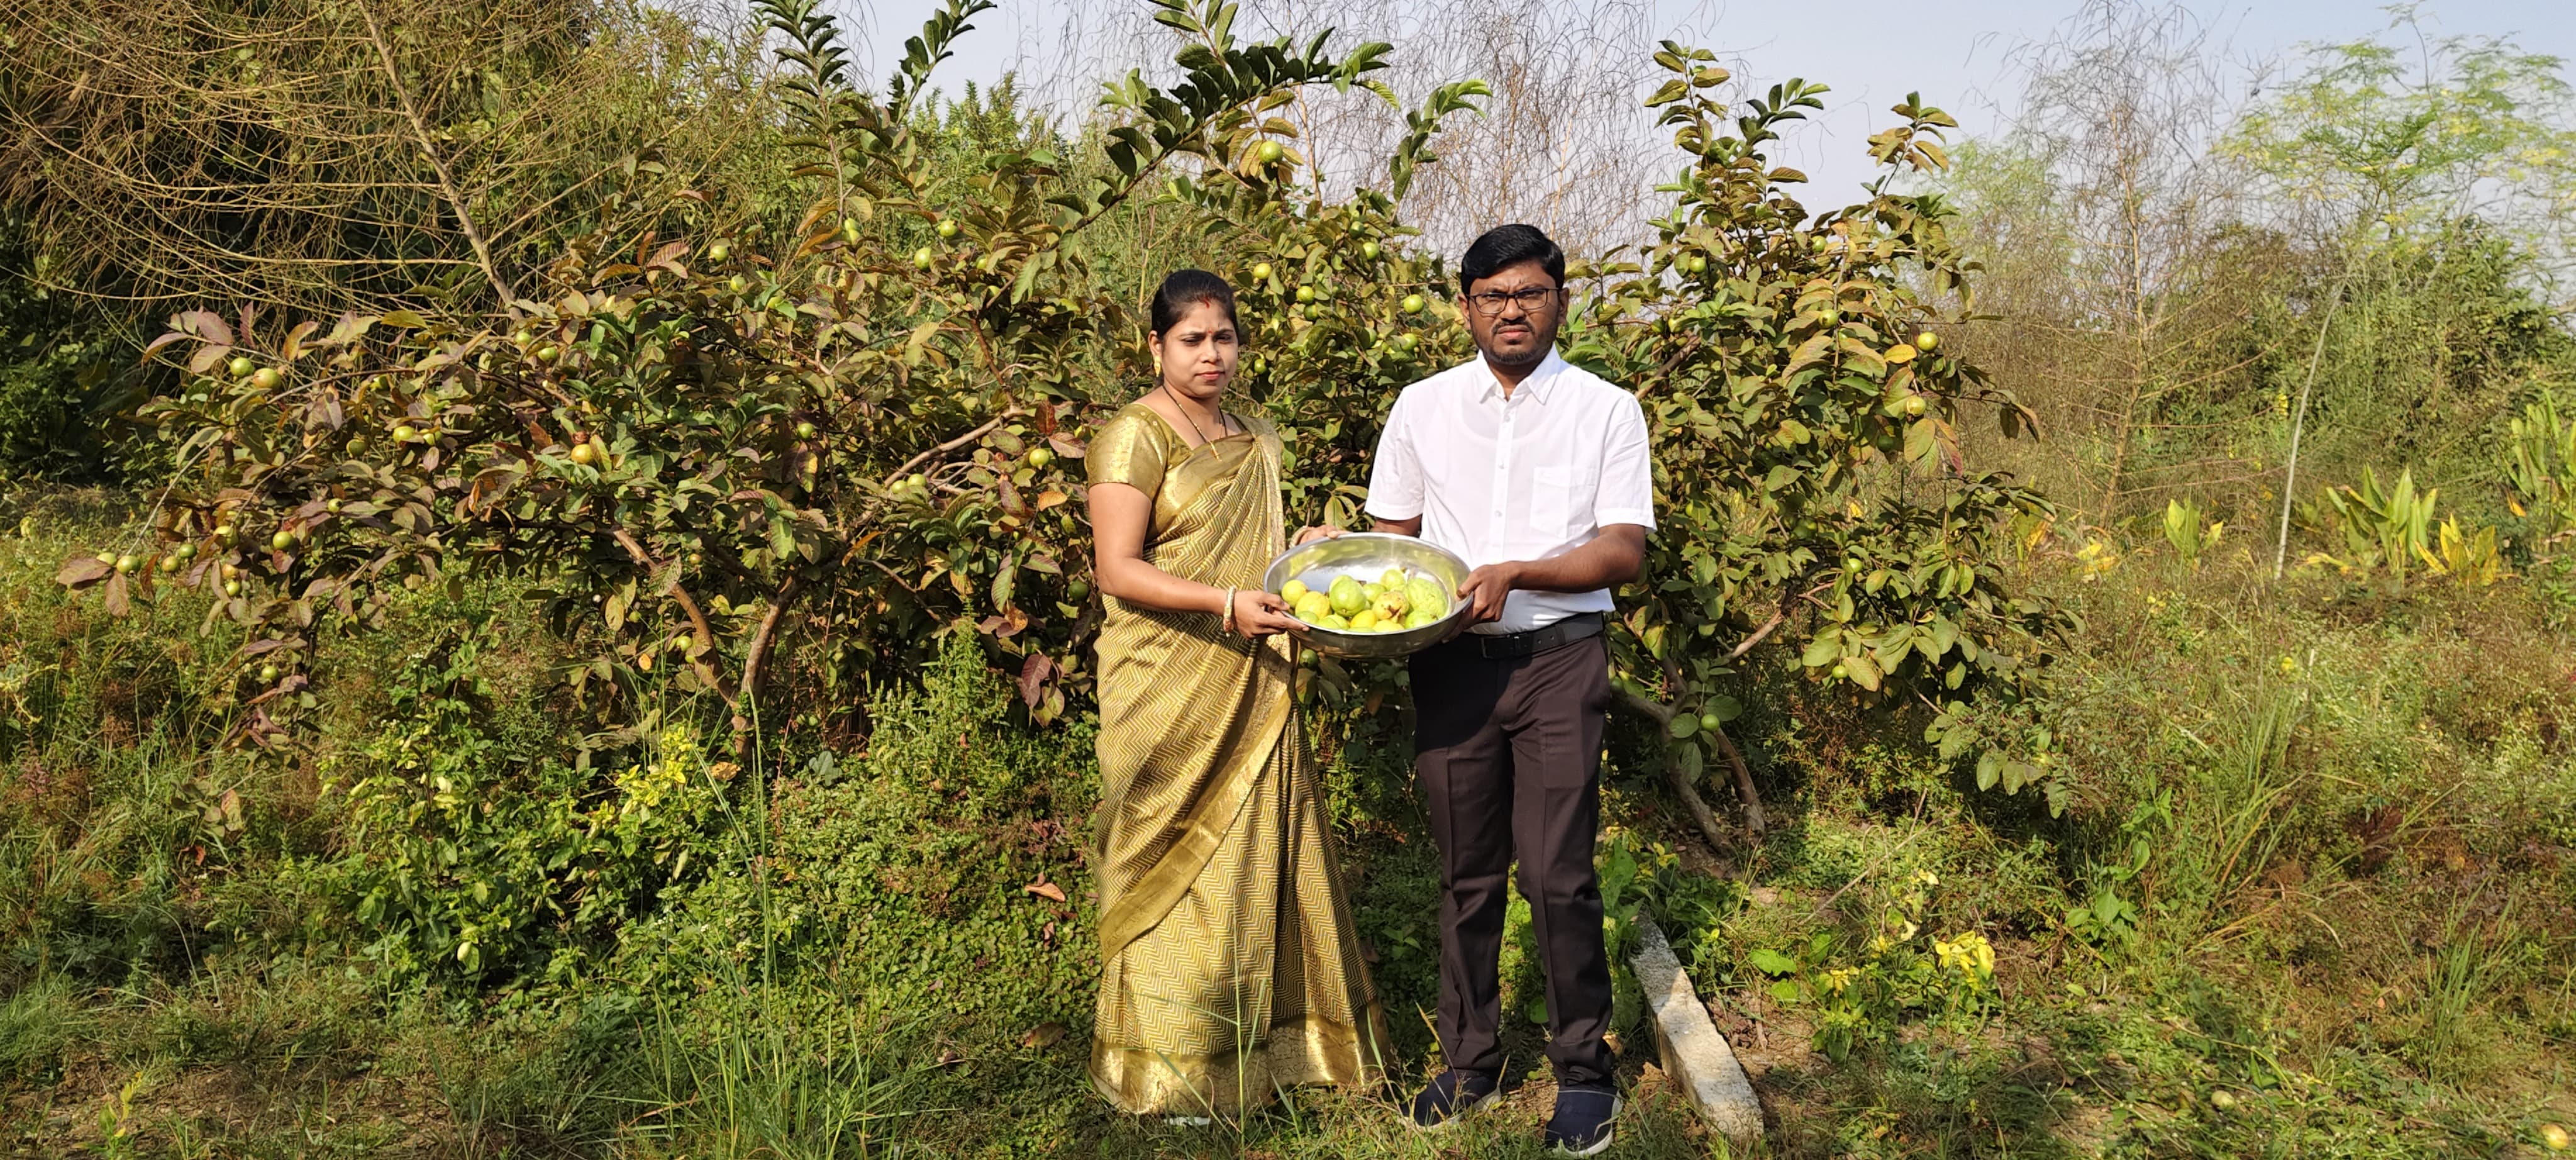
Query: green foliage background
{"points": [[489, 866]]}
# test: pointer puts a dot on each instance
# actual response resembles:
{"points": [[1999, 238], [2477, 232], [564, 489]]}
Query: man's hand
{"points": [[1486, 588], [1612, 558], [1310, 534]]}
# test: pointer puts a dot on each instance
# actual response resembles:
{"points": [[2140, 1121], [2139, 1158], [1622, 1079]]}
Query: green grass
{"points": [[2342, 827]]}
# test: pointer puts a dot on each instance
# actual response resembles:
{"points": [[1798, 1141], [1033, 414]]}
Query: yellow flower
{"points": [[2289, 666], [1969, 954], [2097, 558]]}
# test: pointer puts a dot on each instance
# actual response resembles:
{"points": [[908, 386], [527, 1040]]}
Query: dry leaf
{"points": [[1033, 675], [1045, 889], [82, 571]]}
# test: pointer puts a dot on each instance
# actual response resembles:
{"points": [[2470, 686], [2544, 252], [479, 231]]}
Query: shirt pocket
{"points": [[1561, 503]]}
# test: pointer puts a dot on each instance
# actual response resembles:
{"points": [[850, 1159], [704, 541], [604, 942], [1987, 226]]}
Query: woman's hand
{"points": [[1258, 614], [1308, 535]]}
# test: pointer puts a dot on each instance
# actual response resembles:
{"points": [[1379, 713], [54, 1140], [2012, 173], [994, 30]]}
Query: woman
{"points": [[1229, 966]]}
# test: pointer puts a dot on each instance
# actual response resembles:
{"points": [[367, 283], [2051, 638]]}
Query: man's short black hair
{"points": [[1504, 247]]}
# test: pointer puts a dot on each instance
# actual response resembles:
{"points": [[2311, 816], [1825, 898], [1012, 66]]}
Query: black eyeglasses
{"points": [[1531, 300]]}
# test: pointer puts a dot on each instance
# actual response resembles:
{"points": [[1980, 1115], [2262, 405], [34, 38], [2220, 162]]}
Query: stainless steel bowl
{"points": [[1364, 556]]}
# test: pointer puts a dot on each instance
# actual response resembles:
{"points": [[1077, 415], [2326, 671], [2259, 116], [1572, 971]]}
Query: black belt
{"points": [[1508, 645]]}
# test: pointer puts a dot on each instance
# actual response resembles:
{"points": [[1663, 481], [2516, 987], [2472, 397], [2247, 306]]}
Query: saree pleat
{"points": [[1229, 966]]}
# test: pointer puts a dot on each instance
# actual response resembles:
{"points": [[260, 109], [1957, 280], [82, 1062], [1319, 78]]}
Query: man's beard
{"points": [[1540, 345]]}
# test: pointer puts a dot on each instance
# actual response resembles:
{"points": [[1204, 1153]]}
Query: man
{"points": [[1535, 472]]}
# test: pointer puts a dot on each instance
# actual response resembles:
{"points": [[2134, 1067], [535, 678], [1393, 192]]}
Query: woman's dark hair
{"points": [[1183, 289], [1504, 247]]}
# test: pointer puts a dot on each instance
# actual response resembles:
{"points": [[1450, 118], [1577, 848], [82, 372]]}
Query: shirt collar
{"points": [[1537, 386]]}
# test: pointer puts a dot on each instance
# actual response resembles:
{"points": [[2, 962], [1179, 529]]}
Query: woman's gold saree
{"points": [[1229, 964]]}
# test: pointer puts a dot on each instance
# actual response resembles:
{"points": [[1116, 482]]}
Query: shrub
{"points": [[703, 448], [941, 869], [474, 853]]}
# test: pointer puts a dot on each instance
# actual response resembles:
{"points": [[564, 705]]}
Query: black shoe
{"points": [[1581, 1125], [1452, 1095]]}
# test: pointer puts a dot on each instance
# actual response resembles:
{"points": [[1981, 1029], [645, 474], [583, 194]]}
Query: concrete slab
{"points": [[1698, 1058]]}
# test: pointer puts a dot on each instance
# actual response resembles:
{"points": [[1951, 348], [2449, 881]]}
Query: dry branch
{"points": [[319, 157]]}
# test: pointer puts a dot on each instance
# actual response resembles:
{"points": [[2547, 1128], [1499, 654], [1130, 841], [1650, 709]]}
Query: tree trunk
{"points": [[1702, 816]]}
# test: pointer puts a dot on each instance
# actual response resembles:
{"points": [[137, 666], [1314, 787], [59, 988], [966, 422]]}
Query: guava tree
{"points": [[860, 433], [1802, 410], [1809, 484], [861, 436]]}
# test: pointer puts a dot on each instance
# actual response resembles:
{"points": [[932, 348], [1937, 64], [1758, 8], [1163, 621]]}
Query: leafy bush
{"points": [[472, 856], [1862, 983], [702, 452], [64, 373], [941, 868], [796, 490]]}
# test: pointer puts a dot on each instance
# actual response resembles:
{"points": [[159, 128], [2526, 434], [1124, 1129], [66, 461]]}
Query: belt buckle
{"points": [[1506, 646]]}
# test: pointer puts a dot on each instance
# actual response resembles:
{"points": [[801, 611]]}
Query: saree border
{"points": [[1311, 1050]]}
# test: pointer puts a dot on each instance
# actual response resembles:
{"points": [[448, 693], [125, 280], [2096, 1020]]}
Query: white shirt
{"points": [[1534, 475]]}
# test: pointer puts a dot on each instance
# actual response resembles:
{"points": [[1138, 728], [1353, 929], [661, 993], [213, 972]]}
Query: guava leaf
{"points": [[1863, 670], [1033, 675], [82, 571]]}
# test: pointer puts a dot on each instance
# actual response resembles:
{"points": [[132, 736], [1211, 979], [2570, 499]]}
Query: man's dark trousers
{"points": [[1509, 752]]}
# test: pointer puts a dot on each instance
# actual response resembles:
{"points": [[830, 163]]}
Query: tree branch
{"points": [[1760, 634], [1753, 819], [1700, 814], [697, 620], [1744, 790], [755, 664], [420, 134], [951, 445]]}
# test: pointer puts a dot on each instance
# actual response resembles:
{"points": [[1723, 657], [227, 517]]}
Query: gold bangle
{"points": [[1226, 624]]}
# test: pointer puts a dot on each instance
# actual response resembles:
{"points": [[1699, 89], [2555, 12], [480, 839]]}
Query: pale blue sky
{"points": [[1958, 53]]}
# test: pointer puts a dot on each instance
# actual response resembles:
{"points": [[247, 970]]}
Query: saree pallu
{"points": [[1229, 965]]}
